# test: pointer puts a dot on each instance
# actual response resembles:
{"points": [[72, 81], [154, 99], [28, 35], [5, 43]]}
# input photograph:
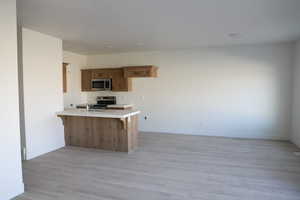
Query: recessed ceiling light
{"points": [[234, 35]]}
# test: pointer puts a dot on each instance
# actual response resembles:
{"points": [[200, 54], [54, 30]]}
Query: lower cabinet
{"points": [[101, 133]]}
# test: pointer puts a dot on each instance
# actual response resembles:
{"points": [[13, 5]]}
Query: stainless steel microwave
{"points": [[101, 84]]}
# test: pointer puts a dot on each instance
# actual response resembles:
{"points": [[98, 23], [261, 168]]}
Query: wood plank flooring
{"points": [[168, 167]]}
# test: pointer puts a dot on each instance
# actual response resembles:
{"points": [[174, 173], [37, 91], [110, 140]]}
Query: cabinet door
{"points": [[86, 80], [140, 71], [101, 73], [65, 77], [119, 82]]}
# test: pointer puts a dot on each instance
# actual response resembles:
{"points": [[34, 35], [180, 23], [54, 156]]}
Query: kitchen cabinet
{"points": [[140, 71], [119, 82], [86, 78], [121, 77], [101, 73], [65, 77], [114, 134]]}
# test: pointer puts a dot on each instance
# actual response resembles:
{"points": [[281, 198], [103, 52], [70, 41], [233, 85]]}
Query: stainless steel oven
{"points": [[101, 84]]}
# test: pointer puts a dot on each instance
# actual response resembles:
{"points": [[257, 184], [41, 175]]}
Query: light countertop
{"points": [[99, 113]]}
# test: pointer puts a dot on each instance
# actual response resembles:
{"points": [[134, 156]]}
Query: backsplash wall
{"points": [[121, 99]]}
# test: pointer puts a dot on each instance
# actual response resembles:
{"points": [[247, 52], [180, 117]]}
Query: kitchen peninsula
{"points": [[115, 130]]}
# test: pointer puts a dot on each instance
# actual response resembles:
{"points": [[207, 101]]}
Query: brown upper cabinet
{"points": [[140, 71], [86, 80], [119, 82], [121, 77], [101, 73]]}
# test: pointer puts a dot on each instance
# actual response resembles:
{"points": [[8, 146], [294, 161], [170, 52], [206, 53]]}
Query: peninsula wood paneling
{"points": [[101, 133]]}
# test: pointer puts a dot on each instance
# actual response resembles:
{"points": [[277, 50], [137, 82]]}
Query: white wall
{"points": [[296, 99], [11, 181], [74, 96], [43, 94], [239, 91]]}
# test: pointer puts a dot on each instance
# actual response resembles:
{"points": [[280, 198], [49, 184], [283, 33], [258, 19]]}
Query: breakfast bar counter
{"points": [[115, 130]]}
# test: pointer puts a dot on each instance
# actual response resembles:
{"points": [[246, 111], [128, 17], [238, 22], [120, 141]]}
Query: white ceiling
{"points": [[106, 26]]}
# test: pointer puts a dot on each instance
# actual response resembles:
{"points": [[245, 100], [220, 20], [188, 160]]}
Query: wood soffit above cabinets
{"points": [[121, 77]]}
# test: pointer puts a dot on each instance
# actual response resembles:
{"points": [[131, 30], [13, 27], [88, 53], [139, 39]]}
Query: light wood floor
{"points": [[168, 167]]}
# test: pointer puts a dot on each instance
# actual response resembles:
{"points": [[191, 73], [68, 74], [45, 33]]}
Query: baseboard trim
{"points": [[31, 156], [220, 136]]}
